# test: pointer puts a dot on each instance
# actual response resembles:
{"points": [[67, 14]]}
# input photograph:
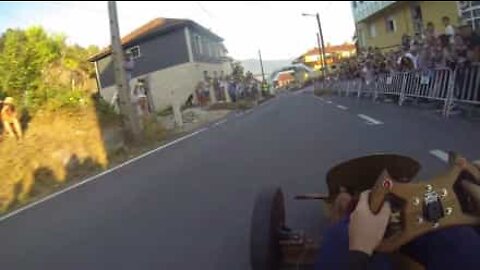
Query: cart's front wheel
{"points": [[268, 218]]}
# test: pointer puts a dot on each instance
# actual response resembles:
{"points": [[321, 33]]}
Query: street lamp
{"points": [[321, 39]]}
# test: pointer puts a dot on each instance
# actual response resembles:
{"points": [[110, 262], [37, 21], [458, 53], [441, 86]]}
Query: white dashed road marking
{"points": [[341, 107], [370, 120], [329, 102], [442, 155]]}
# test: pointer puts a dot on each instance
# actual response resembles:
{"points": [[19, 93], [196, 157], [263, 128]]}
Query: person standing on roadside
{"points": [[449, 29], [11, 125]]}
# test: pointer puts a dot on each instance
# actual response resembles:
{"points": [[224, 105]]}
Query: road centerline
{"points": [[442, 155], [370, 120]]}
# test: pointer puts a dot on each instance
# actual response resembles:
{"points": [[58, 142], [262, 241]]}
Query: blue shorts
{"points": [[452, 248]]}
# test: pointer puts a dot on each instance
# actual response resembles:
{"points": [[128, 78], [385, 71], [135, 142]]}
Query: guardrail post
{"points": [[359, 92], [403, 89], [347, 89], [450, 93]]}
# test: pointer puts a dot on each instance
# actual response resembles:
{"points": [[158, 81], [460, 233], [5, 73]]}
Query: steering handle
{"points": [[427, 205], [379, 191]]}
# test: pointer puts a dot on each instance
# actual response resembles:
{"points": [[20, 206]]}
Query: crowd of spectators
{"points": [[450, 47], [226, 88]]}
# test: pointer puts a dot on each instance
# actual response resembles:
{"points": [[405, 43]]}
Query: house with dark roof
{"points": [[170, 56], [284, 79]]}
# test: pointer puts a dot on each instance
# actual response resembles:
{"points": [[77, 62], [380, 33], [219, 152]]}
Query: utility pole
{"points": [[261, 66], [323, 44], [130, 117], [320, 55], [264, 87]]}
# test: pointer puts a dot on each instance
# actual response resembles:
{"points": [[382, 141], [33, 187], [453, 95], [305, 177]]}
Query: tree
{"points": [[36, 66], [24, 56], [237, 71]]}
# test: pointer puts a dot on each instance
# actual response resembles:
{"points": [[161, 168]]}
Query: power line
{"points": [[209, 14]]}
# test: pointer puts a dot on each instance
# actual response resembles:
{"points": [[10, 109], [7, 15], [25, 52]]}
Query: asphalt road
{"points": [[188, 206]]}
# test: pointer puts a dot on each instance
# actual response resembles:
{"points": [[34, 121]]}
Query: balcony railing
{"points": [[365, 9]]}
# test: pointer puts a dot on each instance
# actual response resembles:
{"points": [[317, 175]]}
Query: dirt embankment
{"points": [[56, 147], [59, 148]]}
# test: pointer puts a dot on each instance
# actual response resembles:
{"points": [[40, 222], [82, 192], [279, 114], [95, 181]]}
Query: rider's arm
{"points": [[365, 231], [473, 189]]}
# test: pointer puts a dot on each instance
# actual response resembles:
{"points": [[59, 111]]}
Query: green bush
{"points": [[40, 70], [106, 111], [153, 131], [57, 99]]}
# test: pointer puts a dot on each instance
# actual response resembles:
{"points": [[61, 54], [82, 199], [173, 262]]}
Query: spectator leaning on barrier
{"points": [[445, 56], [460, 52], [471, 40]]}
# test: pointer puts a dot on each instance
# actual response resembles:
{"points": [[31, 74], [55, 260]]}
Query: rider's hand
{"points": [[473, 189], [341, 206], [366, 229]]}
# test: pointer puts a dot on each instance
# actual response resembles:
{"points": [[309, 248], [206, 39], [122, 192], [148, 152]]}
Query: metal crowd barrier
{"points": [[459, 86], [466, 85]]}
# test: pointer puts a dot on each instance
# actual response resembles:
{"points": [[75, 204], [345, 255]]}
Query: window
{"points": [[134, 52], [373, 30], [470, 11], [390, 24]]}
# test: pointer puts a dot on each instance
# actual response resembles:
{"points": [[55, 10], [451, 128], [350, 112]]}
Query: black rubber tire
{"points": [[267, 218]]}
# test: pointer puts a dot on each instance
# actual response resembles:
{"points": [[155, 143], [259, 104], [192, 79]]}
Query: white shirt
{"points": [[450, 31], [413, 58]]}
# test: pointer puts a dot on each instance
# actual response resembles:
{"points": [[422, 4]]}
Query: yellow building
{"points": [[382, 23]]}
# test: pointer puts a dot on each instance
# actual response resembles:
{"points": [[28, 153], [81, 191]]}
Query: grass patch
{"points": [[166, 112], [241, 105]]}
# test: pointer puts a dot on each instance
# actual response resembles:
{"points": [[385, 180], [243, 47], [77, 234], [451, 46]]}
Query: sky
{"points": [[276, 28]]}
